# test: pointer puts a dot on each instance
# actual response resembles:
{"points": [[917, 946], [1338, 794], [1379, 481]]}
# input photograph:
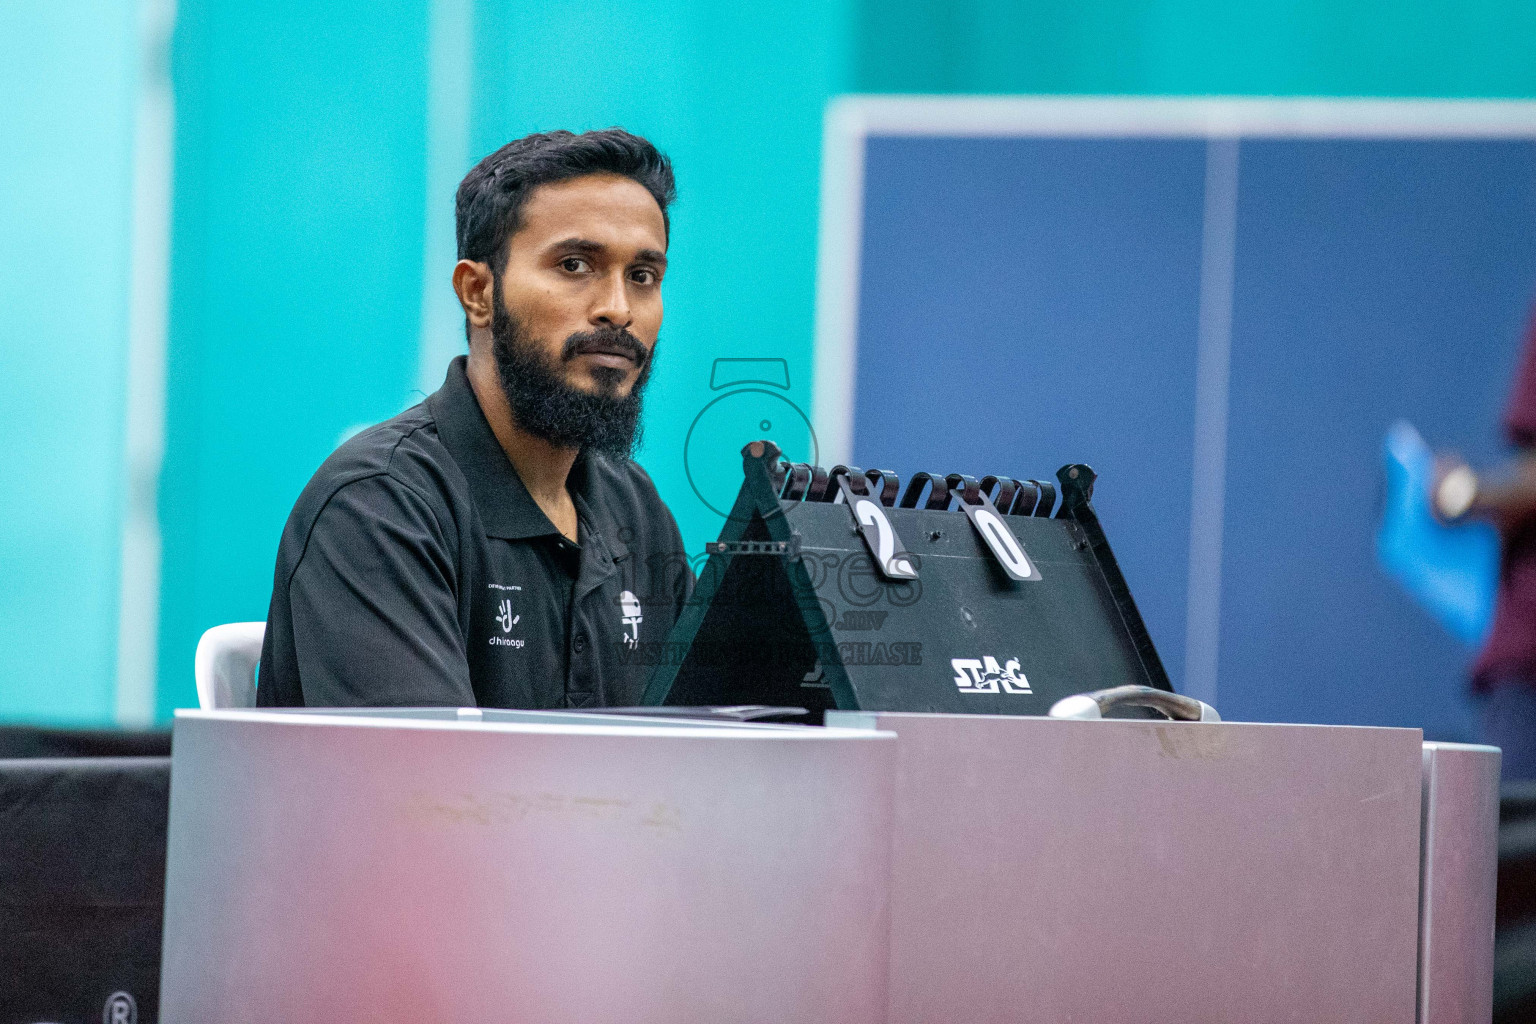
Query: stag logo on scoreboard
{"points": [[984, 675]]}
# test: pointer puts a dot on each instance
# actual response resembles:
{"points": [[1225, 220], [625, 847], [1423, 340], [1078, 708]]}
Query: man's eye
{"points": [[643, 277], [573, 264]]}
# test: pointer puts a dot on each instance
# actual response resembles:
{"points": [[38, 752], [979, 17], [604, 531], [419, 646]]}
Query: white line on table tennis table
{"points": [[1213, 363]]}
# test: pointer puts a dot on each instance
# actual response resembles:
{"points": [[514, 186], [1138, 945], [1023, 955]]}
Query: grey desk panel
{"points": [[512, 715], [332, 868], [1460, 878], [1141, 871]]}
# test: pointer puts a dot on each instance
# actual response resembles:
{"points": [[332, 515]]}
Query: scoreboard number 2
{"points": [[889, 555]]}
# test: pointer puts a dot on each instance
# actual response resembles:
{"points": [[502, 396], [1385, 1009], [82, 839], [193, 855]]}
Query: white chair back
{"points": [[226, 665]]}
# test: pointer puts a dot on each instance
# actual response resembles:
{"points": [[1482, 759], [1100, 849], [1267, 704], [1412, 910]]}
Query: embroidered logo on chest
{"points": [[630, 617], [506, 618]]}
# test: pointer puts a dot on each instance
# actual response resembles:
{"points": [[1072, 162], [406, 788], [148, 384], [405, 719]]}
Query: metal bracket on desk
{"points": [[789, 549], [1093, 705]]}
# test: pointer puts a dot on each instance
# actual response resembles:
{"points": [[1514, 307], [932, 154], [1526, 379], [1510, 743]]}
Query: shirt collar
{"points": [[506, 508]]}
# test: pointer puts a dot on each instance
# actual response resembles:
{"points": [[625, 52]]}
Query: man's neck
{"points": [[543, 467]]}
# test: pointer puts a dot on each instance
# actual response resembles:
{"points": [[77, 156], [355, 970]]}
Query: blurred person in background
{"points": [[1504, 676], [497, 545]]}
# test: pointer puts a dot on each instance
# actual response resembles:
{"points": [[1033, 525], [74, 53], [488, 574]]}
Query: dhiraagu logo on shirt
{"points": [[506, 616]]}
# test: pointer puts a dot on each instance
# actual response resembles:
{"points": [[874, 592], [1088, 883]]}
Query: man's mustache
{"points": [[611, 342]]}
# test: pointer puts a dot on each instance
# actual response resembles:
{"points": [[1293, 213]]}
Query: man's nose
{"points": [[612, 308]]}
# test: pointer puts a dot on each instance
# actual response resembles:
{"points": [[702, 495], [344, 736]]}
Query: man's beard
{"points": [[547, 406]]}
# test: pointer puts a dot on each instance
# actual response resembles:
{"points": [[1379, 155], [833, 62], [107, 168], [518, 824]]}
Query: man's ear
{"points": [[474, 284]]}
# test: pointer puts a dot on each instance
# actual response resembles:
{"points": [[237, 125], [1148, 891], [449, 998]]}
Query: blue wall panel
{"points": [[1374, 280], [1027, 303], [295, 281]]}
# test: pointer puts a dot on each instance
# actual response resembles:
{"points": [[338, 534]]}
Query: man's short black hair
{"points": [[489, 204]]}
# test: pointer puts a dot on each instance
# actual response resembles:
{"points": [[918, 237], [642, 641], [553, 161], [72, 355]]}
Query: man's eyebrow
{"points": [[651, 256], [580, 245]]}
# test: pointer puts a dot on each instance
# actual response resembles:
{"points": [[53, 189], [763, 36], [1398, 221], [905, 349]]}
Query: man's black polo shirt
{"points": [[416, 569]]}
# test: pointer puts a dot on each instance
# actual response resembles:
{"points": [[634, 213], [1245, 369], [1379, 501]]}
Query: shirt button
{"points": [[580, 643]]}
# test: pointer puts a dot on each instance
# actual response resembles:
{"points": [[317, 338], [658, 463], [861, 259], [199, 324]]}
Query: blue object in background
{"points": [[1452, 571]]}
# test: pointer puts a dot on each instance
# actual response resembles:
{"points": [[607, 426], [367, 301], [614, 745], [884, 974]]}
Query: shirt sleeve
{"points": [[1520, 418], [375, 605]]}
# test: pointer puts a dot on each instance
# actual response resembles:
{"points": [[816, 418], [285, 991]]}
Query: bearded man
{"points": [[496, 545]]}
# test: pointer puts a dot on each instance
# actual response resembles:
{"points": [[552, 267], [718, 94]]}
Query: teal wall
{"points": [[67, 79], [300, 205], [295, 284], [1448, 48]]}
